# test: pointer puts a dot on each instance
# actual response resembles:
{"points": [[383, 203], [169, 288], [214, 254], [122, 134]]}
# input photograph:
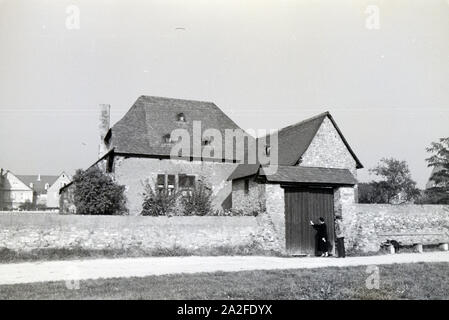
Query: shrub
{"points": [[197, 202], [97, 194], [157, 203], [27, 206]]}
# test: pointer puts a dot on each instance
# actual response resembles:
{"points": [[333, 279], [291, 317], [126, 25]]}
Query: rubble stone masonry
{"points": [[25, 232]]}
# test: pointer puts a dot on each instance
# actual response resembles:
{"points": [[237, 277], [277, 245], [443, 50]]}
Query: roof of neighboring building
{"points": [[310, 175], [293, 142], [143, 128], [39, 181]]}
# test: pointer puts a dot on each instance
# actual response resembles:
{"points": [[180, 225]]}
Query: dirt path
{"points": [[140, 267]]}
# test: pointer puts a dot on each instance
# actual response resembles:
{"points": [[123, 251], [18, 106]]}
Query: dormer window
{"points": [[47, 186], [267, 150], [31, 185], [166, 138], [181, 117]]}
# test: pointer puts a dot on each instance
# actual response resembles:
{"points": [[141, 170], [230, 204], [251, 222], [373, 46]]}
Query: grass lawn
{"points": [[400, 281]]}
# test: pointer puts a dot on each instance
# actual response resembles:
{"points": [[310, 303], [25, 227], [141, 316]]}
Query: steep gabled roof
{"points": [[244, 170], [142, 129], [293, 142], [5, 183], [39, 181]]}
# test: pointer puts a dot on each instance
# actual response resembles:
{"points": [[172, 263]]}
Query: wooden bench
{"points": [[401, 240]]}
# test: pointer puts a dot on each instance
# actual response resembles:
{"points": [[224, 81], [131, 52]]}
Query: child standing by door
{"points": [[340, 235]]}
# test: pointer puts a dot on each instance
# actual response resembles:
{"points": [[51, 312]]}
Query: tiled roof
{"points": [[38, 185], [244, 170], [143, 127], [310, 175], [293, 142]]}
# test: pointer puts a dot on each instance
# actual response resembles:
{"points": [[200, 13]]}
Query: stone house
{"points": [[138, 150], [316, 176], [316, 168]]}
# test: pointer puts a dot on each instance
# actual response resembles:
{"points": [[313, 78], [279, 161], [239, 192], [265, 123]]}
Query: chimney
{"points": [[103, 126], [38, 177]]}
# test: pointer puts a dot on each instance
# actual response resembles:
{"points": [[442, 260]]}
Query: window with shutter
{"points": [[170, 183], [160, 184]]}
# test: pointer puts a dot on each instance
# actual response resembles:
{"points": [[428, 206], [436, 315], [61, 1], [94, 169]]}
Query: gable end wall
{"points": [[328, 150]]}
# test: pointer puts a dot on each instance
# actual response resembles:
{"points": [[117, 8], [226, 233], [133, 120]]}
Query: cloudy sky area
{"points": [[267, 64]]}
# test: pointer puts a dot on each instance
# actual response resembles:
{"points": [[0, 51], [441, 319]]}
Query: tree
{"points": [[97, 194], [439, 192], [394, 187], [368, 193]]}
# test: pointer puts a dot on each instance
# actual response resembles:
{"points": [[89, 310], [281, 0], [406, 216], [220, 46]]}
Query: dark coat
{"points": [[321, 232]]}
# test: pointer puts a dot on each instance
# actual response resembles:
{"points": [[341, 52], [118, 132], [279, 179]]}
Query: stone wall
{"points": [[275, 211], [369, 225], [25, 232], [253, 201], [132, 172], [67, 200]]}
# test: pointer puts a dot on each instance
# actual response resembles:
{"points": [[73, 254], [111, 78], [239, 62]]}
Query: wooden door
{"points": [[301, 206]]}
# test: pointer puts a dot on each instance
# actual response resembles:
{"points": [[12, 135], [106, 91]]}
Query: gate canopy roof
{"points": [[308, 175]]}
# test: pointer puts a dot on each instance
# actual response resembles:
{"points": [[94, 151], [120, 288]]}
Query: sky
{"points": [[380, 67]]}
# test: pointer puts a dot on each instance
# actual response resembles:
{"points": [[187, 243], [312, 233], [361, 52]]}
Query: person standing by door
{"points": [[340, 235], [321, 237]]}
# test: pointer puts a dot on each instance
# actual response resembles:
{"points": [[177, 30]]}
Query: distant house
{"points": [[53, 191], [39, 184], [13, 191], [40, 190]]}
